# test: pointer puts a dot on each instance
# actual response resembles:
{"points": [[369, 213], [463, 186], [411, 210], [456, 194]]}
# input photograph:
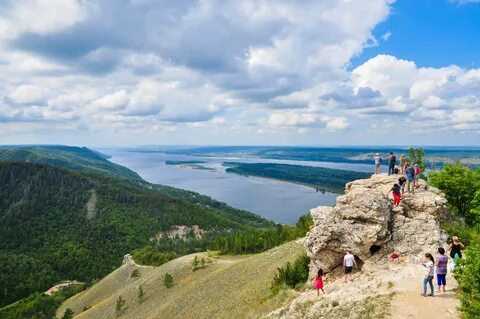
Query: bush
{"points": [[151, 256], [291, 275], [468, 276], [120, 306], [168, 280], [461, 187]]}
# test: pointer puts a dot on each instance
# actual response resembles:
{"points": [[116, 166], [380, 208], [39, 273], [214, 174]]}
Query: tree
{"points": [[417, 156], [140, 295], [68, 314], [460, 184], [195, 263], [468, 276], [168, 280], [120, 306]]}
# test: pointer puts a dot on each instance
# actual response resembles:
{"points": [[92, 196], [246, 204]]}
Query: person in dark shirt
{"points": [[410, 175], [392, 160], [402, 181], [456, 248]]}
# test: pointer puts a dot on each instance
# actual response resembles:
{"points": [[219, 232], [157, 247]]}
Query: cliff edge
{"points": [[365, 222]]}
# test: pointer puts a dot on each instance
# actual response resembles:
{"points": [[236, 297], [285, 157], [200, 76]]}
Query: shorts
{"points": [[441, 279], [348, 270]]}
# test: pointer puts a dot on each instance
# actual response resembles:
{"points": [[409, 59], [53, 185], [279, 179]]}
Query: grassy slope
{"points": [[74, 158], [230, 287]]}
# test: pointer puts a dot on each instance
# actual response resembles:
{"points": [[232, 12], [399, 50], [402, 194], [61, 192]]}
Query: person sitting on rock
{"points": [[348, 263], [397, 195], [318, 282]]}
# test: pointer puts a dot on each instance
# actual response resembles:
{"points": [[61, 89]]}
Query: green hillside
{"points": [[228, 287], [74, 158], [57, 224]]}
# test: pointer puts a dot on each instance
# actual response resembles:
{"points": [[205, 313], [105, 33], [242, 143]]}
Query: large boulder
{"points": [[364, 222]]}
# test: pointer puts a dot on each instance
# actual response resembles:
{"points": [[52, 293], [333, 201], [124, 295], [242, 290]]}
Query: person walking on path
{"points": [[318, 282], [401, 182], [429, 271], [456, 248], [403, 162], [442, 263], [392, 160], [410, 175], [378, 163], [348, 263]]}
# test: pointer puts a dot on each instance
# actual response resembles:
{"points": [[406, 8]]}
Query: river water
{"points": [[279, 201]]}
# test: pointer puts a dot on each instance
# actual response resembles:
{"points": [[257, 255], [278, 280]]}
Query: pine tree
{"points": [[120, 306], [68, 314], [140, 294], [195, 263], [168, 280]]}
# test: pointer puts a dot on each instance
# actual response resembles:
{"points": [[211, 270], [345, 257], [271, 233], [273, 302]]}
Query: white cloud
{"points": [[27, 94]]}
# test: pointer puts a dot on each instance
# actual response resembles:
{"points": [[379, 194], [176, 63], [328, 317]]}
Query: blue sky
{"points": [[276, 72], [433, 33]]}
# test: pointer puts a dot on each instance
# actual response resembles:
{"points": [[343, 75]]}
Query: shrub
{"points": [[120, 306], [68, 314], [140, 295], [168, 280], [135, 273], [291, 275]]}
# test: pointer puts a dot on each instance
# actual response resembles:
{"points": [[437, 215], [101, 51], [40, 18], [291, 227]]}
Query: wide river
{"points": [[279, 201]]}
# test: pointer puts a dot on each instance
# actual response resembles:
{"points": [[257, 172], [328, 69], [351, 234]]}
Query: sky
{"points": [[250, 72]]}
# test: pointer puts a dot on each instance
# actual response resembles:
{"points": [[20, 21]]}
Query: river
{"points": [[282, 202]]}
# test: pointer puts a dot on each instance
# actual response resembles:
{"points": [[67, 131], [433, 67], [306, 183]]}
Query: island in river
{"points": [[321, 178]]}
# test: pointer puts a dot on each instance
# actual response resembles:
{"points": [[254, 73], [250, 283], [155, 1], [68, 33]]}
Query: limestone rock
{"points": [[364, 221]]}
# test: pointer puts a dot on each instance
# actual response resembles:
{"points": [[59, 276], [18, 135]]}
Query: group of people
{"points": [[440, 266], [409, 175]]}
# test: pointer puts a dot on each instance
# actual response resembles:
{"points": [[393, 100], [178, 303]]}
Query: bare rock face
{"points": [[364, 222]]}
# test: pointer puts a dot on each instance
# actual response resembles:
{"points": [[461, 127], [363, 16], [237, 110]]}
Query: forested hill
{"points": [[74, 158], [48, 232]]}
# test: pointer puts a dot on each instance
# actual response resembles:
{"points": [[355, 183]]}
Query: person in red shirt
{"points": [[318, 282]]}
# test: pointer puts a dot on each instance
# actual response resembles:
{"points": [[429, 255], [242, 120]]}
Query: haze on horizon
{"points": [[215, 72]]}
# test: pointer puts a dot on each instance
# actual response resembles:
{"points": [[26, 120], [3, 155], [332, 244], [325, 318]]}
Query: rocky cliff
{"points": [[364, 222]]}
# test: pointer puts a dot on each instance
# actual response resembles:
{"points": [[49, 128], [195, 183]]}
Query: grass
{"points": [[230, 287]]}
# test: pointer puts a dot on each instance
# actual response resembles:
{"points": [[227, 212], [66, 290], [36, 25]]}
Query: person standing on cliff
{"points": [[410, 175], [378, 163], [392, 160], [348, 263], [403, 162]]}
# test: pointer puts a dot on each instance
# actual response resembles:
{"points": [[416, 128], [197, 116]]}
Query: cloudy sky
{"points": [[310, 72]]}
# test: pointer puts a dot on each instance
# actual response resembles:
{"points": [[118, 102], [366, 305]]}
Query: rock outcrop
{"points": [[364, 222]]}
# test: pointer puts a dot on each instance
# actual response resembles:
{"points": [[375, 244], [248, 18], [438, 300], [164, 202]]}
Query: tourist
{"points": [[428, 279], [318, 282], [402, 181], [348, 263], [397, 195], [418, 171], [392, 160], [378, 163], [442, 262], [410, 175], [403, 162], [456, 248]]}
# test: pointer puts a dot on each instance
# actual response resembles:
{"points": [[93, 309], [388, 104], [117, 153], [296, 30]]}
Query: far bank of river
{"points": [[282, 202]]}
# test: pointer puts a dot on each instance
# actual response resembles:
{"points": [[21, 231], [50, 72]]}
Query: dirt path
{"points": [[411, 305]]}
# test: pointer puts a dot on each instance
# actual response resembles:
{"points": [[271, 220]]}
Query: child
{"points": [[428, 279], [402, 181], [442, 269], [318, 282], [397, 195]]}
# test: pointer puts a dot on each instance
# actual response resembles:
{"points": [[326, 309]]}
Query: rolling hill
{"points": [[63, 220], [228, 287], [80, 159]]}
